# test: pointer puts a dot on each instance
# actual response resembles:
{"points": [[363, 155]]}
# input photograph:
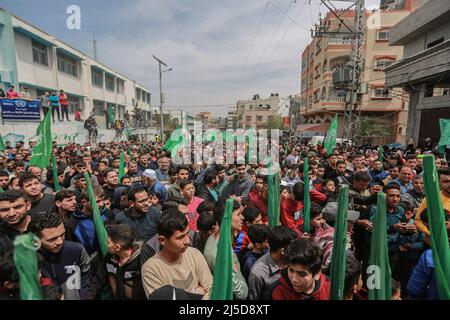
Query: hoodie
{"points": [[283, 289], [241, 187]]}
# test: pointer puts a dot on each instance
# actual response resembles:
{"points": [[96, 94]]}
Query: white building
{"points": [[31, 57], [256, 112]]}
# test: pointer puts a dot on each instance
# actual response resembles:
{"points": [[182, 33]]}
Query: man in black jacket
{"points": [[121, 267], [207, 190], [65, 262], [14, 218]]}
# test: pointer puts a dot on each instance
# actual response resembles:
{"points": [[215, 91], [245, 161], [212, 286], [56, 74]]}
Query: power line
{"points": [[268, 45], [279, 42], [251, 48]]}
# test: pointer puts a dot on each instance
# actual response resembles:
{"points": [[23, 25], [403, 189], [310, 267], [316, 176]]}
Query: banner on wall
{"points": [[286, 122], [20, 110]]}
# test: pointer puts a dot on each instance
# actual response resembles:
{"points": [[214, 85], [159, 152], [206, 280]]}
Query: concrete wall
{"points": [[421, 42]]}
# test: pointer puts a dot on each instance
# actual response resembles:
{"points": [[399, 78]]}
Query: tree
{"points": [[370, 128], [274, 123]]}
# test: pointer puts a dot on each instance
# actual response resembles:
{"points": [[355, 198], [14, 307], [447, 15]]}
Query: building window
{"points": [[382, 63], [251, 107], [67, 64], [97, 77], [381, 93], [324, 94], [259, 118], [39, 53], [99, 108], [148, 98], [248, 118], [120, 86], [317, 71], [316, 96], [325, 66], [435, 43], [383, 34], [138, 95], [74, 104], [109, 82]]}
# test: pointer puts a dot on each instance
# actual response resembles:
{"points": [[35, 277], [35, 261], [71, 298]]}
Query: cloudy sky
{"points": [[220, 50]]}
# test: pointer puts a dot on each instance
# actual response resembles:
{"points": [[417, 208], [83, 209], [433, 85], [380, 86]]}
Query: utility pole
{"points": [[353, 88], [160, 62]]}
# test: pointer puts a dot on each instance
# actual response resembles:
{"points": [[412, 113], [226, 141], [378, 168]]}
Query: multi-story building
{"points": [[205, 118], [424, 71], [256, 112], [185, 119], [321, 100], [33, 58], [231, 119]]}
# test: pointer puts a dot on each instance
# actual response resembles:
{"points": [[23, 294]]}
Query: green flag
{"points": [[379, 283], [338, 255], [436, 220], [1, 190], [223, 271], [111, 115], [55, 174], [102, 236], [42, 151], [274, 198], [330, 138], [130, 154], [445, 134], [121, 166], [306, 200], [26, 263], [2, 144], [173, 143], [380, 153]]}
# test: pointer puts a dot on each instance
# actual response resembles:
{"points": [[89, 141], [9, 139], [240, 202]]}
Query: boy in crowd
{"points": [[259, 237], [302, 278]]}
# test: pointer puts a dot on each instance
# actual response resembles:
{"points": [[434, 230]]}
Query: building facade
{"points": [[33, 58], [424, 72], [321, 100], [256, 112]]}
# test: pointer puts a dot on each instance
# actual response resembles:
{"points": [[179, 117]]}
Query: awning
{"points": [[33, 36], [69, 54], [311, 129], [30, 85]]}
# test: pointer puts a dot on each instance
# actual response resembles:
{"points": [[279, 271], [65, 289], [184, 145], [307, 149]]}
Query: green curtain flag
{"points": [[306, 200], [380, 282], [121, 166], [380, 153], [26, 263], [445, 134], [274, 198], [42, 151], [338, 255], [100, 230], [438, 231], [330, 138], [55, 174], [2, 144], [223, 271], [111, 115], [173, 144]]}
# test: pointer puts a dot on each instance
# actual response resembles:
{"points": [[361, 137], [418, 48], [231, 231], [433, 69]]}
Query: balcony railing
{"points": [[339, 42], [333, 99]]}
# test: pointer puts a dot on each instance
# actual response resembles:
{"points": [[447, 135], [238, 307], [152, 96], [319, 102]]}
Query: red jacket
{"points": [[63, 100], [289, 207], [255, 201], [285, 291]]}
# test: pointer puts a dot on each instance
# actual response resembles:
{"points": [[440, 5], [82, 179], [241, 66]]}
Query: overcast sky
{"points": [[220, 50]]}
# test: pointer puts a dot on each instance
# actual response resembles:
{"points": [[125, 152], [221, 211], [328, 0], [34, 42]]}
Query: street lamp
{"points": [[160, 93]]}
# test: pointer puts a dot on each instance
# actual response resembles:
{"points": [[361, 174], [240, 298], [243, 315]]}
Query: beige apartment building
{"points": [[256, 112], [321, 100]]}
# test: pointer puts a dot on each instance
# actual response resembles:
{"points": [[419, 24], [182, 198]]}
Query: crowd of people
{"points": [[163, 222]]}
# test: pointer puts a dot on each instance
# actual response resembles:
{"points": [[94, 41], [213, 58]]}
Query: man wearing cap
{"points": [[154, 186], [325, 236]]}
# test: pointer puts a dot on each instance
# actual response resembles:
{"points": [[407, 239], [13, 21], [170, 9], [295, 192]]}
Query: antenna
{"points": [[94, 47]]}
